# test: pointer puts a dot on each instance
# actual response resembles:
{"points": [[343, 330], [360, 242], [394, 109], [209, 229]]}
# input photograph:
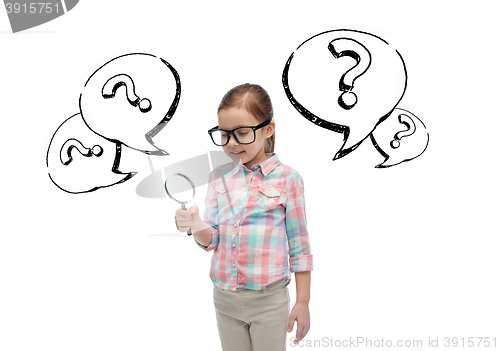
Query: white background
{"points": [[408, 252]]}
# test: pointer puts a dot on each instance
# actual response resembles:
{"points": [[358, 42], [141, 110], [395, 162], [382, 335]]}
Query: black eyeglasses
{"points": [[243, 135]]}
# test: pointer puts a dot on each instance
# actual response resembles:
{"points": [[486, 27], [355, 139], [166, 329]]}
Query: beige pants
{"points": [[253, 319]]}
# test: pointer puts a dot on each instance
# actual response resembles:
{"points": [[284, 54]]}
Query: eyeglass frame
{"points": [[231, 132]]}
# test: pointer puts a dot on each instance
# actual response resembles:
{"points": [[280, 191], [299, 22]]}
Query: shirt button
{"points": [[235, 225], [234, 245], [234, 265], [241, 207]]}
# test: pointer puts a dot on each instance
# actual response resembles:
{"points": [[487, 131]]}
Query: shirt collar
{"points": [[266, 166]]}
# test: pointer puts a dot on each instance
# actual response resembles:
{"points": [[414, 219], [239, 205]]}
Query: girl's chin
{"points": [[235, 157]]}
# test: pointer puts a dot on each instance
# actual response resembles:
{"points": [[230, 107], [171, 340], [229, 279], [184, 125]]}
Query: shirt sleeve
{"points": [[296, 228], [210, 215]]}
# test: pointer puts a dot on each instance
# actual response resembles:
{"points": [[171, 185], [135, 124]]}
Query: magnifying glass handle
{"points": [[184, 208]]}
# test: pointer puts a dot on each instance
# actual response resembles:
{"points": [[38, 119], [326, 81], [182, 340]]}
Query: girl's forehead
{"points": [[230, 118]]}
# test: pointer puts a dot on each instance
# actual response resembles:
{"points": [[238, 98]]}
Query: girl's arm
{"points": [[205, 236], [300, 256], [303, 283], [300, 311], [201, 233]]}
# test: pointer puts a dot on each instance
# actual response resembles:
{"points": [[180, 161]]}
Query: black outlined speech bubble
{"points": [[28, 14]]}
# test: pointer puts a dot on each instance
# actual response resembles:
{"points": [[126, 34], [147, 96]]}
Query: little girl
{"points": [[254, 219]]}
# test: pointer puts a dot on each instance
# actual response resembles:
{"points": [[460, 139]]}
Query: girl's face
{"points": [[247, 154]]}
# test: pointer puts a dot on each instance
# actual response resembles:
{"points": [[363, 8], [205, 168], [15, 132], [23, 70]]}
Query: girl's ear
{"points": [[270, 129]]}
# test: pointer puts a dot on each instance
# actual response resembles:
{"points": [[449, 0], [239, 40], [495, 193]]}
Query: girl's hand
{"points": [[189, 218], [300, 313]]}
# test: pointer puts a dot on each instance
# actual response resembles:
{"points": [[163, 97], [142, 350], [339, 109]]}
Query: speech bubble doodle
{"points": [[81, 161], [130, 99], [319, 77], [400, 138]]}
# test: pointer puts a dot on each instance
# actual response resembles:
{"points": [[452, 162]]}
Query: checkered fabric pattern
{"points": [[258, 221]]}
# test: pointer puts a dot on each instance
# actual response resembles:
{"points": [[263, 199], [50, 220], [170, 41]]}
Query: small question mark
{"points": [[113, 83], [410, 125], [349, 47], [71, 144]]}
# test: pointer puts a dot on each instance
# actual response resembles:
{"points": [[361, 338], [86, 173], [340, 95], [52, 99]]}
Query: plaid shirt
{"points": [[258, 219]]}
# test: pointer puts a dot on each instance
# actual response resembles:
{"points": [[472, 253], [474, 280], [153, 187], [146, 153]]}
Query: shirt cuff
{"points": [[303, 263], [214, 243]]}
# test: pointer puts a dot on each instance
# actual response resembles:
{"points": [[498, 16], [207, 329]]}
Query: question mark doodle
{"points": [[110, 87], [349, 47], [70, 144], [410, 125]]}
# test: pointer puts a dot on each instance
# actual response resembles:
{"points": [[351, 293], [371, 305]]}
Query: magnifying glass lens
{"points": [[179, 188]]}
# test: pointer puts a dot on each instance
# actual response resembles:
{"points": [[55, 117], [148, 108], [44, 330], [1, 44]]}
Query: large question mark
{"points": [[349, 47], [113, 83], [410, 125], [71, 144]]}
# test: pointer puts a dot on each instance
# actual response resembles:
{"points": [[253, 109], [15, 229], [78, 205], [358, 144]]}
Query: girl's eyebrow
{"points": [[238, 126]]}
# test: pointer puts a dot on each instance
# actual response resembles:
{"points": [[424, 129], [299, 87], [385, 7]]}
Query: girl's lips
{"points": [[237, 153]]}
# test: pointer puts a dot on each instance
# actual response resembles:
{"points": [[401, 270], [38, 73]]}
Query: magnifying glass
{"points": [[182, 187]]}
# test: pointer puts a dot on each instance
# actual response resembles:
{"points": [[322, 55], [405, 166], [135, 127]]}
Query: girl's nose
{"points": [[232, 141]]}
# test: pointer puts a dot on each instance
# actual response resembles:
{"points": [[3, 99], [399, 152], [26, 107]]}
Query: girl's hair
{"points": [[256, 101]]}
